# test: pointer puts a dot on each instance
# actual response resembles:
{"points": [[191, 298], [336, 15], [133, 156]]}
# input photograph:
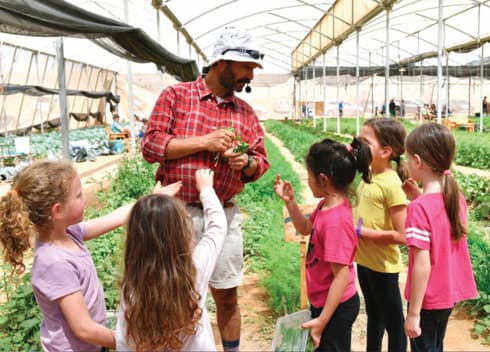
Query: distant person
{"points": [[341, 108], [439, 266], [141, 127], [330, 274], [485, 106], [46, 203], [392, 108], [402, 108], [160, 251], [304, 111], [380, 217], [117, 128]]}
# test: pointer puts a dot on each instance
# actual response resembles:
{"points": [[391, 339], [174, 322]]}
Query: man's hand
{"points": [[219, 140], [236, 160]]}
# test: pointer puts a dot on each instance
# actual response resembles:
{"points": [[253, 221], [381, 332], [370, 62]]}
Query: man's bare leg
{"points": [[228, 316]]}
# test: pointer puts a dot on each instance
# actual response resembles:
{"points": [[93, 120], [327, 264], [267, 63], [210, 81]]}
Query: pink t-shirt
{"points": [[333, 240], [58, 272], [451, 278]]}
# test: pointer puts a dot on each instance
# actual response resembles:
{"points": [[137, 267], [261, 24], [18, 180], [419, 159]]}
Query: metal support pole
{"points": [[338, 89], [313, 94], [324, 81], [65, 147], [387, 62], [358, 123], [439, 62], [481, 69], [447, 86], [130, 90]]}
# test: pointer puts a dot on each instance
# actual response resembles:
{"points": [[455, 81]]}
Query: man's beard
{"points": [[229, 81]]}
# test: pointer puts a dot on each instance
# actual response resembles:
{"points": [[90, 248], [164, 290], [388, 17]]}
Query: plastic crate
{"points": [[289, 335]]}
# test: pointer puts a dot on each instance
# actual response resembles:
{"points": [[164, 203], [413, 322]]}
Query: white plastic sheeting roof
{"points": [[414, 31], [280, 26]]}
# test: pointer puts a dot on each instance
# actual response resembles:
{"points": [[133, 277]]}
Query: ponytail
{"points": [[436, 146], [450, 194], [401, 168], [16, 230], [362, 157], [26, 209]]}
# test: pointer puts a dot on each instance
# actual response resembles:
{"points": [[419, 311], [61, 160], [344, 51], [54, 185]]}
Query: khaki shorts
{"points": [[228, 270]]}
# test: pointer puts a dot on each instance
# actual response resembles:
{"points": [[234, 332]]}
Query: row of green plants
{"points": [[298, 138], [473, 148], [266, 252], [20, 317], [45, 144]]}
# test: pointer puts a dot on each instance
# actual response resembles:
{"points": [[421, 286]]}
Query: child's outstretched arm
{"points": [[103, 224], [285, 191], [82, 325], [208, 248], [216, 225], [420, 278]]}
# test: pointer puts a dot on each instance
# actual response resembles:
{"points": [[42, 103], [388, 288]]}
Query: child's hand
{"points": [[411, 188], [316, 330], [168, 190], [412, 326], [204, 179], [284, 189]]}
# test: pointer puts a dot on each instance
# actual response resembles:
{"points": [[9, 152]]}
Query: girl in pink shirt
{"points": [[330, 274], [439, 267]]}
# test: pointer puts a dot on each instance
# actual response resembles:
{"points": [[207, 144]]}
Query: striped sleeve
{"points": [[417, 232]]}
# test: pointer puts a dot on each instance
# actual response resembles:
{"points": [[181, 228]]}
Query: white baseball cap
{"points": [[236, 45]]}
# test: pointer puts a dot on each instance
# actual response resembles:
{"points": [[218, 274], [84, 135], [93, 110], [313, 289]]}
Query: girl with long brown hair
{"points": [[166, 274], [44, 210], [439, 267]]}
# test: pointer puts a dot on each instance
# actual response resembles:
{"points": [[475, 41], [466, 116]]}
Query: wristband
{"points": [[249, 162], [358, 227]]}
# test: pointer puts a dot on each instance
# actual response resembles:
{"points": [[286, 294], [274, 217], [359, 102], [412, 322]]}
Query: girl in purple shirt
{"points": [[439, 267], [46, 204], [330, 275]]}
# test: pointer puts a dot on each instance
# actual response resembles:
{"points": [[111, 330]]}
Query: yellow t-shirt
{"points": [[374, 203]]}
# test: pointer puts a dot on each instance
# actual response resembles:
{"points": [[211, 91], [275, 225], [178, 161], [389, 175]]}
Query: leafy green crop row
{"points": [[265, 249]]}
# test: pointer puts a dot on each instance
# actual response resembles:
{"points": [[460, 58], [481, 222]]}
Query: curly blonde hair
{"points": [[26, 209], [161, 302]]}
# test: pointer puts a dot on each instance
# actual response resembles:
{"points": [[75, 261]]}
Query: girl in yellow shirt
{"points": [[380, 217]]}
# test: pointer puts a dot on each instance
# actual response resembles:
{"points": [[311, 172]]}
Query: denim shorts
{"points": [[228, 272]]}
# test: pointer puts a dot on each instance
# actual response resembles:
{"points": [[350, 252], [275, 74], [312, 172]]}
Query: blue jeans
{"points": [[433, 324], [383, 308], [338, 332]]}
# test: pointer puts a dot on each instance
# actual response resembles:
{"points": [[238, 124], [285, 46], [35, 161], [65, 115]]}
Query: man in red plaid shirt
{"points": [[202, 124]]}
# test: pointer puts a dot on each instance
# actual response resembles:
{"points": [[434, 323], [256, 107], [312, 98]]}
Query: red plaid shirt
{"points": [[188, 110]]}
